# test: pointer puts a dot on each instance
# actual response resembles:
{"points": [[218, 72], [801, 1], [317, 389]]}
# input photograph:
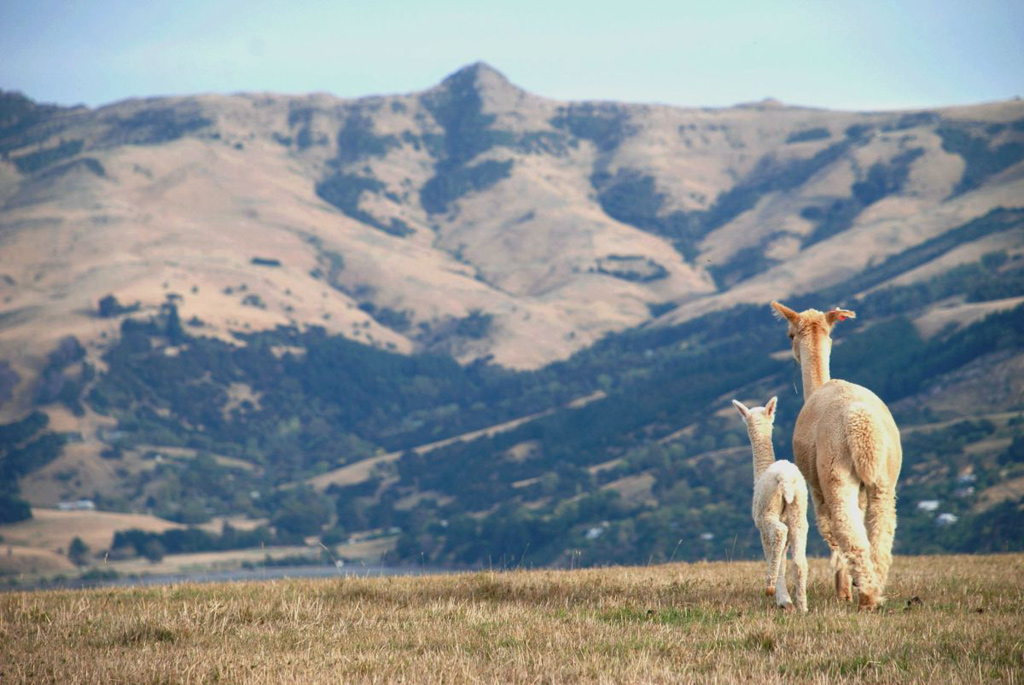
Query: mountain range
{"points": [[297, 290]]}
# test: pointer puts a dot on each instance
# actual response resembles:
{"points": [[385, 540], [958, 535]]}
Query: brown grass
{"points": [[53, 529], [367, 552], [37, 548], [961, 315], [26, 561], [949, 619]]}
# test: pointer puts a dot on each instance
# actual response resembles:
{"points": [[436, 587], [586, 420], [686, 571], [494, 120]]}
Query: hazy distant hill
{"points": [[174, 273]]}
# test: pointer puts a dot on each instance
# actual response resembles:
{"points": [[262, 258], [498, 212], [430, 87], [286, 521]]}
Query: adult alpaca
{"points": [[779, 508], [846, 444]]}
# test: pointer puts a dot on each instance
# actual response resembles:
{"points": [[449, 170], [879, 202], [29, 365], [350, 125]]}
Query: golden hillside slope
{"points": [[178, 196]]}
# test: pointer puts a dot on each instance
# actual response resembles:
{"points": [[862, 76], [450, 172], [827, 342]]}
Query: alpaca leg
{"points": [[881, 524], [768, 545], [843, 579], [844, 586], [778, 562], [798, 545], [849, 530], [782, 598]]}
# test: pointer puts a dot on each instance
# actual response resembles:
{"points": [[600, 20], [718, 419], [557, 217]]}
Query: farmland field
{"points": [[948, 619]]}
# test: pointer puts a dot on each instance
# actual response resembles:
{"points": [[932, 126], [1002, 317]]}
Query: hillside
{"points": [[284, 309], [393, 219]]}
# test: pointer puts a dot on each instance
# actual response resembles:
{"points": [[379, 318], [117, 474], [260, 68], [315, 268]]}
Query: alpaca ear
{"points": [[784, 312], [769, 409], [744, 412], [839, 315]]}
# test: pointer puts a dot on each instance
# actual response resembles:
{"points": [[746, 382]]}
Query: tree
{"points": [[109, 307], [174, 330], [305, 513], [78, 552], [1014, 454], [192, 512], [154, 551], [13, 508]]}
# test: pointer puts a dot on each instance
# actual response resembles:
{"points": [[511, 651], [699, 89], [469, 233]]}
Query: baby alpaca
{"points": [[780, 507]]}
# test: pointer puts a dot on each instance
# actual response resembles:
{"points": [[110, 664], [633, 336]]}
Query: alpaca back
{"points": [[854, 431], [781, 488]]}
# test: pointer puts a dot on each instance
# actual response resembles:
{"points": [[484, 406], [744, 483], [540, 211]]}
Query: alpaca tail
{"points": [[791, 484], [865, 441], [788, 487], [794, 491]]}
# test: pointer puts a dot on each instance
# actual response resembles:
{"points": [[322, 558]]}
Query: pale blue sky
{"points": [[871, 54]]}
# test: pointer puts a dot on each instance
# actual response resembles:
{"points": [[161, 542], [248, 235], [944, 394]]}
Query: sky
{"points": [[867, 55]]}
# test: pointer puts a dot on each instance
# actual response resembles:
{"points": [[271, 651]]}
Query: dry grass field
{"points": [[53, 530], [949, 619], [36, 549]]}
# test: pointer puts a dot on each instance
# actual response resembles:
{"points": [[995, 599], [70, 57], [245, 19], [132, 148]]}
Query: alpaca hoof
{"points": [[769, 591], [867, 602], [844, 588]]}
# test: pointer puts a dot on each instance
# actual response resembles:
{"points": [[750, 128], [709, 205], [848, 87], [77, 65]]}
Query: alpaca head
{"points": [[759, 420], [811, 330]]}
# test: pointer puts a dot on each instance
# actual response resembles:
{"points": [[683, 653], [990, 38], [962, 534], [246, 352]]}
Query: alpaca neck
{"points": [[764, 453], [814, 368]]}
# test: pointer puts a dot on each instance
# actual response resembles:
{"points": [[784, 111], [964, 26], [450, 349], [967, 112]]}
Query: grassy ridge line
{"points": [[359, 471], [996, 221], [949, 619]]}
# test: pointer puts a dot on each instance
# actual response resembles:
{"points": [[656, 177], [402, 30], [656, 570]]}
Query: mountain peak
{"points": [[483, 78], [764, 104], [478, 70]]}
